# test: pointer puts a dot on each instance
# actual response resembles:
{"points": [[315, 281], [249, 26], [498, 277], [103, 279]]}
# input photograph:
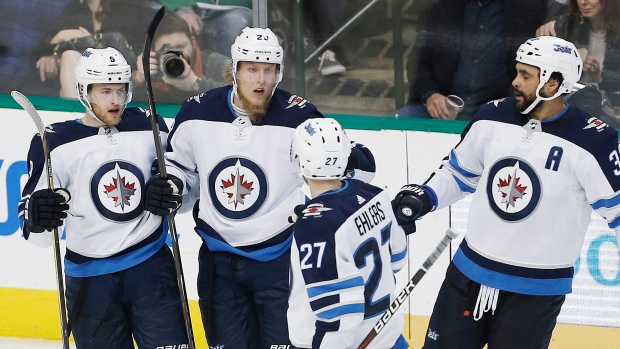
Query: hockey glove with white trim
{"points": [[163, 195], [411, 203], [45, 209], [298, 210]]}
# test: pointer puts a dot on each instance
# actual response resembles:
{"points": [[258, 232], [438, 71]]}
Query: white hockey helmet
{"points": [[101, 66], [257, 45], [551, 54], [321, 149]]}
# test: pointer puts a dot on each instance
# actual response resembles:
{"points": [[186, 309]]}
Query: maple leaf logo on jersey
{"points": [[296, 100], [595, 123], [513, 189], [116, 190], [236, 188], [120, 191]]}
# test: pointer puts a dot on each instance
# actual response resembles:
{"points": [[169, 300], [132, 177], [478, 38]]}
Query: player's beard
{"points": [[528, 99], [256, 111]]}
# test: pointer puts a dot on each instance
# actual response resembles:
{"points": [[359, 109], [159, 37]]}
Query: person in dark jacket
{"points": [[467, 48], [594, 27]]}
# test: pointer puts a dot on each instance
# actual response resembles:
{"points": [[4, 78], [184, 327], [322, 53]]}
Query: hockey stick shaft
{"points": [[62, 305], [402, 296], [146, 54]]}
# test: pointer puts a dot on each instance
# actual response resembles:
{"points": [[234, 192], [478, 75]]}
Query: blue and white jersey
{"points": [[240, 172], [105, 170], [534, 186], [346, 249]]}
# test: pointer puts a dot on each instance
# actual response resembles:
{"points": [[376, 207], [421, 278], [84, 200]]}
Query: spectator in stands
{"points": [[221, 25], [204, 71], [185, 9], [594, 27], [23, 24], [324, 18], [467, 48], [83, 18]]}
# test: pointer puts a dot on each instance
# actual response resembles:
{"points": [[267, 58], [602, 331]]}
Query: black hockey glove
{"points": [[299, 209], [45, 209], [163, 195], [411, 203]]}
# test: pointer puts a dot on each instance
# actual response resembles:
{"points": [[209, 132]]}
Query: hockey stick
{"points": [[146, 55], [402, 296], [62, 306]]}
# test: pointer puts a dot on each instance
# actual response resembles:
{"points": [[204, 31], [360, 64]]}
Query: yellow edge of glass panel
{"points": [[29, 313]]}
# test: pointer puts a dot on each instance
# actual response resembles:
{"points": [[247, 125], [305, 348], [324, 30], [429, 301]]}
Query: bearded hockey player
{"points": [[536, 167], [230, 148]]}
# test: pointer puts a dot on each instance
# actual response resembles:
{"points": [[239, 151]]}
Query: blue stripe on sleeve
{"points": [[455, 164], [464, 187], [336, 286], [399, 256], [607, 203], [341, 310]]}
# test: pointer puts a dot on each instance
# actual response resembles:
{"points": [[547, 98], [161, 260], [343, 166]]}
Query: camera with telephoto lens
{"points": [[171, 62]]}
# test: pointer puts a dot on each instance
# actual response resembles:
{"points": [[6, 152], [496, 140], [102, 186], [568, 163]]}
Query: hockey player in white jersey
{"points": [[230, 147], [120, 274], [346, 249], [536, 167]]}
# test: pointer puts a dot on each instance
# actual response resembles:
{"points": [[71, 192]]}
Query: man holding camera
{"points": [[178, 67]]}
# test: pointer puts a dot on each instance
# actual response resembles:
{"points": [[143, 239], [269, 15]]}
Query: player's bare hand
{"points": [[48, 67], [437, 106], [547, 29]]}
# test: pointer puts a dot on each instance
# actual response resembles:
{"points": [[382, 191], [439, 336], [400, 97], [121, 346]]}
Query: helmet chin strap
{"points": [[539, 98]]}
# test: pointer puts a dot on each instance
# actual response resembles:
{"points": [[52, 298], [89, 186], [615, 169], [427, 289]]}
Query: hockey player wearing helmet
{"points": [[230, 146], [120, 274], [536, 167], [344, 222]]}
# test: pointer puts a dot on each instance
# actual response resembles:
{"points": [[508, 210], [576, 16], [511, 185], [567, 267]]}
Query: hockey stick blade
{"points": [[402, 296], [146, 55], [25, 103], [176, 253]]}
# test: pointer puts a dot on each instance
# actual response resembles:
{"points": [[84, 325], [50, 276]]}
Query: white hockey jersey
{"points": [[345, 252], [241, 172], [535, 185], [105, 170]]}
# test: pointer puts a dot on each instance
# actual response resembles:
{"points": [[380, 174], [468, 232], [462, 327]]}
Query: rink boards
{"points": [[28, 303]]}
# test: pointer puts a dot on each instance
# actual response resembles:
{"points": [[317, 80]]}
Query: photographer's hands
{"points": [[184, 82]]}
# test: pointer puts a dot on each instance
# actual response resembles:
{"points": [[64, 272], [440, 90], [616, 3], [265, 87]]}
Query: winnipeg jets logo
{"points": [[147, 112], [510, 188], [116, 190], [50, 129], [296, 100], [513, 189], [497, 101], [311, 131], [595, 123], [238, 187], [315, 210], [119, 190], [360, 200]]}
